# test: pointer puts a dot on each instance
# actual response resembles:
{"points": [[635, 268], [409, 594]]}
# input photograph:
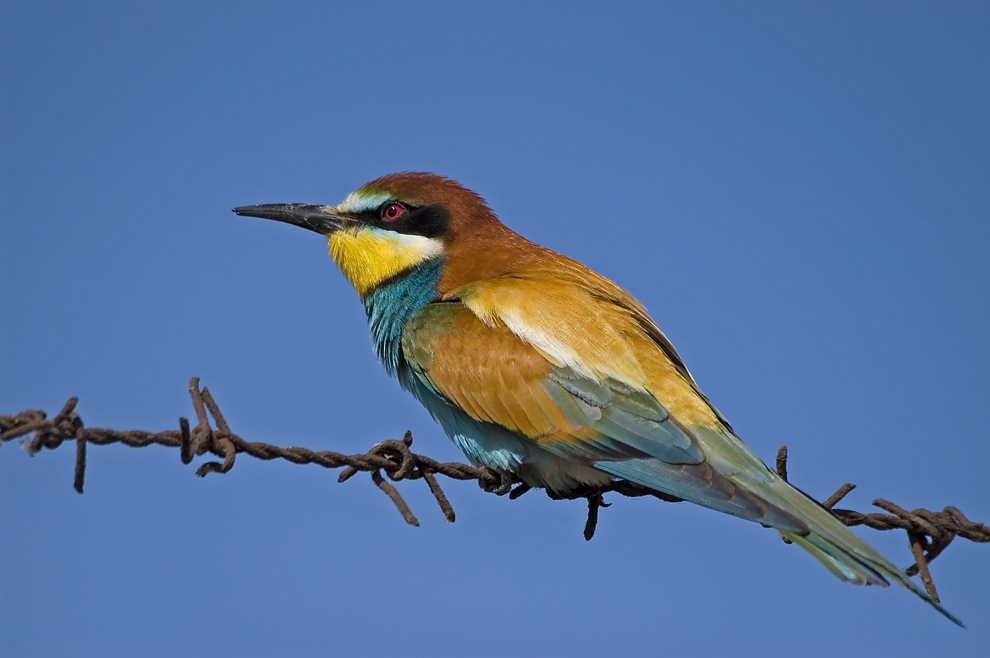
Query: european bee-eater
{"points": [[534, 364]]}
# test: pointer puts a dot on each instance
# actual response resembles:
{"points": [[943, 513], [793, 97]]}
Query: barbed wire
{"points": [[929, 533]]}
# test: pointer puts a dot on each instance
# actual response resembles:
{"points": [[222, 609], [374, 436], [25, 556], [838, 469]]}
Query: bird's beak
{"points": [[321, 219]]}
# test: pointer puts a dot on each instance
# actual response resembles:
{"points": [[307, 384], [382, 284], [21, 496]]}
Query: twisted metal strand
{"points": [[394, 458], [929, 533]]}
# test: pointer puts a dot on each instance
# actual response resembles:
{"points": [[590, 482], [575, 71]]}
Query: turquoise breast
{"points": [[390, 305]]}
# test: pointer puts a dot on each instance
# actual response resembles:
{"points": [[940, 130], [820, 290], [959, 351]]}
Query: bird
{"points": [[534, 364]]}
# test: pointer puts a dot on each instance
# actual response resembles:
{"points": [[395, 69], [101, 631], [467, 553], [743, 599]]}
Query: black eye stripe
{"points": [[428, 221]]}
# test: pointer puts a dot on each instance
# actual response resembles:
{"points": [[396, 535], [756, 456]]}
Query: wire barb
{"points": [[929, 533]]}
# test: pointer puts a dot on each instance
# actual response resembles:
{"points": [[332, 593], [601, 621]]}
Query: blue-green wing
{"points": [[492, 377]]}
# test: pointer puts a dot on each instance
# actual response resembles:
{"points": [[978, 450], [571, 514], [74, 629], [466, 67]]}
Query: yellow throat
{"points": [[367, 255]]}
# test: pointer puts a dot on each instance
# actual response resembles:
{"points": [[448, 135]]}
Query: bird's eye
{"points": [[392, 211]]}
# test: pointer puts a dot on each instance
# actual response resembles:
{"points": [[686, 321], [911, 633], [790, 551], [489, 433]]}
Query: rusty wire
{"points": [[929, 532]]}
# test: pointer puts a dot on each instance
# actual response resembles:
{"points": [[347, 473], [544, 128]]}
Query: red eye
{"points": [[393, 211]]}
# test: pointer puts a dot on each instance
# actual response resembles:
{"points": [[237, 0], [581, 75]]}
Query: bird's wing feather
{"points": [[576, 318], [496, 376]]}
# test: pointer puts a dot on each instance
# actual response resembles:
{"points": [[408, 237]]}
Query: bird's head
{"points": [[399, 221]]}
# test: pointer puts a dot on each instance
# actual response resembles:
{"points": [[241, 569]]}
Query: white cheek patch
{"points": [[412, 247]]}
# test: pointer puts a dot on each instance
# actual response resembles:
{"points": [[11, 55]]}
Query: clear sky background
{"points": [[798, 192]]}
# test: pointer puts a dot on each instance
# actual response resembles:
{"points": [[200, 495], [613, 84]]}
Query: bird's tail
{"points": [[841, 550]]}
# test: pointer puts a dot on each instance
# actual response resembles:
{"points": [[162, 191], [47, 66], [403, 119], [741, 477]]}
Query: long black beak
{"points": [[321, 219]]}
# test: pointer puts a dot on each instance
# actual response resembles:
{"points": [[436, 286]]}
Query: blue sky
{"points": [[798, 193]]}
